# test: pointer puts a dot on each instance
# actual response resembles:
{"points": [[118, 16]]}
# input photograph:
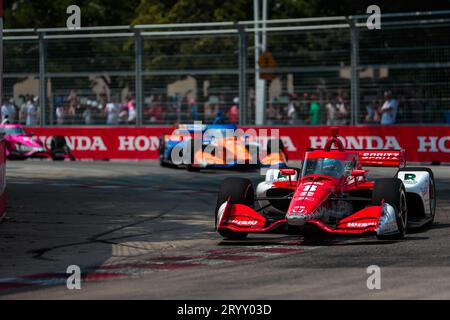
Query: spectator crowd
{"points": [[25, 112], [292, 109]]}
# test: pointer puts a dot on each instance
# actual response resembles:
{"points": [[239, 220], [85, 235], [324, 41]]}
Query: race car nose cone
{"points": [[295, 219]]}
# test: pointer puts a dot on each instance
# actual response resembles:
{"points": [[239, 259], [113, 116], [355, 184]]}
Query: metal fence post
{"points": [[138, 75], [355, 73], [242, 75], [42, 80]]}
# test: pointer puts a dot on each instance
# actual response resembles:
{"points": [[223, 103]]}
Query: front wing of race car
{"points": [[12, 154], [41, 153], [379, 219]]}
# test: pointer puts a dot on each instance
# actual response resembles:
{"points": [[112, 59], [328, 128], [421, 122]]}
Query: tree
{"points": [[52, 13]]}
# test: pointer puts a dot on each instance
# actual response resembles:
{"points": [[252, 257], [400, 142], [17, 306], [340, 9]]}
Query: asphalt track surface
{"points": [[139, 231]]}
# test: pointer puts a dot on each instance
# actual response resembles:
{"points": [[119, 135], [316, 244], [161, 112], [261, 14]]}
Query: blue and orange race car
{"points": [[218, 146]]}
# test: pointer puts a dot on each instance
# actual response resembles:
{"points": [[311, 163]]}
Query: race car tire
{"points": [[241, 191], [274, 141], [392, 191], [72, 157], [432, 187], [190, 167], [58, 142]]}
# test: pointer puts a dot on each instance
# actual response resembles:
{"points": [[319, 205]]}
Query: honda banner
{"points": [[422, 143]]}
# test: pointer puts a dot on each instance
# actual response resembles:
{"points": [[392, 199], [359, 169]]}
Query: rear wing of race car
{"points": [[191, 127], [382, 158], [368, 157], [378, 157]]}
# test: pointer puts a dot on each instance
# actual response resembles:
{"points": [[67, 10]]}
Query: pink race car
{"points": [[23, 145]]}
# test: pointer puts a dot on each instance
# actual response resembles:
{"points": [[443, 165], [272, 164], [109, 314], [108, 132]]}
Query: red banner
{"points": [[422, 143]]}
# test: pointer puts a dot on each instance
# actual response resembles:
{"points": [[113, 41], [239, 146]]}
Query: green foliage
{"points": [[52, 13]]}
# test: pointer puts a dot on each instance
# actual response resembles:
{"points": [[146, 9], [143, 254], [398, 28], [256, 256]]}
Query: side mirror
{"points": [[287, 172], [358, 173]]}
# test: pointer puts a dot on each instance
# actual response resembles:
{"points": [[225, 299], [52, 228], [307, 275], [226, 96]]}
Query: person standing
{"points": [[60, 114], [233, 113], [156, 111], [291, 111], [23, 110], [342, 113], [87, 113], [331, 111], [389, 109], [314, 111], [112, 112], [219, 119], [4, 111], [8, 111], [131, 110], [193, 108], [31, 112]]}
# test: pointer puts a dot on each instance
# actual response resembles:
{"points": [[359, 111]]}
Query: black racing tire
{"points": [[72, 157], [432, 187], [241, 191], [58, 142], [393, 192], [190, 167], [275, 141]]}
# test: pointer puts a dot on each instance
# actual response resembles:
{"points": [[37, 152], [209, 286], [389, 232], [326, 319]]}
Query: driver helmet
{"points": [[332, 167]]}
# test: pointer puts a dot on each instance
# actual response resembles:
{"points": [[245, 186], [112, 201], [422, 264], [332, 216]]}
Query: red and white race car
{"points": [[332, 194]]}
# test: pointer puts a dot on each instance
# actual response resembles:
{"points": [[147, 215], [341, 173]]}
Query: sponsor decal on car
{"points": [[361, 224], [298, 209], [380, 156], [409, 178], [244, 222]]}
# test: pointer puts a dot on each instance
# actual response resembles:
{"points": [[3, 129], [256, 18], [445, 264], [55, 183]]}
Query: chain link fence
{"points": [[166, 74]]}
